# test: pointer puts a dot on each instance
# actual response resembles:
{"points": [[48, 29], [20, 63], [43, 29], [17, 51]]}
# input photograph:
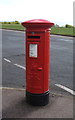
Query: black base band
{"points": [[37, 99]]}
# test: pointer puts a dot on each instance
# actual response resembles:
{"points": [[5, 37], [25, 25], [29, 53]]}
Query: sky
{"points": [[58, 11]]}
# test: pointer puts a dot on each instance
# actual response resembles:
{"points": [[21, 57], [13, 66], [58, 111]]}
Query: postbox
{"points": [[37, 61]]}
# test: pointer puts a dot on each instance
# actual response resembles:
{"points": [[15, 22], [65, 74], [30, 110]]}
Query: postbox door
{"points": [[34, 66]]}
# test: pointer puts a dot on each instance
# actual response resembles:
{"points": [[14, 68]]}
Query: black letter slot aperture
{"points": [[33, 37]]}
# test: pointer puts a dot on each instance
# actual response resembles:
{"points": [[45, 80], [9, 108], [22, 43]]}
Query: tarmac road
{"points": [[13, 52]]}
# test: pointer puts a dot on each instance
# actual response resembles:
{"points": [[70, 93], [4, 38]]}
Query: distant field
{"points": [[13, 26], [54, 30], [63, 31]]}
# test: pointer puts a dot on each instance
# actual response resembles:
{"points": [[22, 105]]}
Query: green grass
{"points": [[63, 31], [54, 30], [13, 26]]}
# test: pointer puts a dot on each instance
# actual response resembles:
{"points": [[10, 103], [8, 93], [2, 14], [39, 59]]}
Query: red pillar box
{"points": [[37, 61]]}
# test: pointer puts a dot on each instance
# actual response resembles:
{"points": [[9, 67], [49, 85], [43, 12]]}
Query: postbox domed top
{"points": [[37, 23]]}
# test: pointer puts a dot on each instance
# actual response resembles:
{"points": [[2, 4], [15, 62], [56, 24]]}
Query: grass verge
{"points": [[13, 26], [54, 30], [63, 31]]}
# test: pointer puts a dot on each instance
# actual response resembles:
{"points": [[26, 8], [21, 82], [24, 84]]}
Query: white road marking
{"points": [[7, 60], [67, 40], [20, 66], [66, 89], [15, 64], [8, 88], [61, 86]]}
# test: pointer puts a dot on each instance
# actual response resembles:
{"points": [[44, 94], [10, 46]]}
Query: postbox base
{"points": [[37, 99]]}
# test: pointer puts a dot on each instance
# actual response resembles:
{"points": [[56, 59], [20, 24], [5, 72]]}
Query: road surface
{"points": [[13, 61]]}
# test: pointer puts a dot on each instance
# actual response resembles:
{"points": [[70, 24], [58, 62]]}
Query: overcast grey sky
{"points": [[57, 11]]}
